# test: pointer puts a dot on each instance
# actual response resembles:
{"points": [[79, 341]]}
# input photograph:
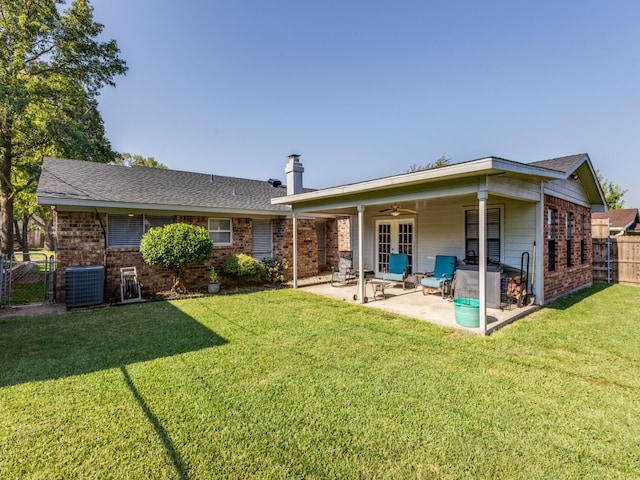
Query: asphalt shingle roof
{"points": [[622, 218], [560, 164], [89, 182]]}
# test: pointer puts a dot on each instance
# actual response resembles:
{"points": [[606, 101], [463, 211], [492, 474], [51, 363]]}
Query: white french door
{"points": [[393, 236]]}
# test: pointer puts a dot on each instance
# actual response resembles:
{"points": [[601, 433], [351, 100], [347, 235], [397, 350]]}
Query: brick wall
{"points": [[333, 241], [81, 243], [565, 279], [307, 246], [344, 234]]}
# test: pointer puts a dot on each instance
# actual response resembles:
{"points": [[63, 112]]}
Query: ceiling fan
{"points": [[396, 210]]}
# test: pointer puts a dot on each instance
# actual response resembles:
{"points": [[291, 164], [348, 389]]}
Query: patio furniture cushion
{"points": [[398, 266], [443, 272]]}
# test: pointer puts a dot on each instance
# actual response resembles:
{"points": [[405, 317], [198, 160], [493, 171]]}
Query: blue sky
{"points": [[364, 89]]}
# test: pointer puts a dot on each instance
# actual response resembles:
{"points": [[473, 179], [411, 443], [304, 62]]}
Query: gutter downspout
{"points": [[104, 255]]}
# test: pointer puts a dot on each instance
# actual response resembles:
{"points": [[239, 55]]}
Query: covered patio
{"points": [[410, 302], [489, 215]]}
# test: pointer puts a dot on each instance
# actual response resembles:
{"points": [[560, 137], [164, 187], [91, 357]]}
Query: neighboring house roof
{"points": [[620, 220], [92, 184]]}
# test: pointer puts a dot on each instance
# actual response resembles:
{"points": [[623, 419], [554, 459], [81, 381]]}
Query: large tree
{"points": [[135, 160], [443, 161], [52, 68], [613, 193]]}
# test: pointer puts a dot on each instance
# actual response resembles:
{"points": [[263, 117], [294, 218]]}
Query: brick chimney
{"points": [[294, 171]]}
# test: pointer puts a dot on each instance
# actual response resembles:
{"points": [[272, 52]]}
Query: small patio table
{"points": [[369, 279], [377, 286]]}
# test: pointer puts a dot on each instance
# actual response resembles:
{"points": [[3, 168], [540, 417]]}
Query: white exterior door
{"points": [[393, 236]]}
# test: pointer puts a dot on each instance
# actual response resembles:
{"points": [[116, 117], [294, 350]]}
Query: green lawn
{"points": [[284, 384]]}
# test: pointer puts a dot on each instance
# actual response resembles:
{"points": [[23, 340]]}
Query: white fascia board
{"points": [[69, 203], [486, 166], [430, 194], [597, 182]]}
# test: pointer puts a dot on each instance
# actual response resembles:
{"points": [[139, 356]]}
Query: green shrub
{"points": [[176, 246], [243, 268], [274, 269]]}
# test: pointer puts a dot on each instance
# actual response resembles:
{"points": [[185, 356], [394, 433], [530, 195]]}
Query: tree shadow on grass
{"points": [[164, 437], [50, 347]]}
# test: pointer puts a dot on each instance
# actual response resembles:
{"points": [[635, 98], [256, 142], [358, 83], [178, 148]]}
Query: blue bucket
{"points": [[467, 311]]}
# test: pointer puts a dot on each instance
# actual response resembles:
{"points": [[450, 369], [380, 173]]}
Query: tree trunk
{"points": [[47, 226], [22, 236], [179, 283], [6, 198], [49, 239], [18, 234]]}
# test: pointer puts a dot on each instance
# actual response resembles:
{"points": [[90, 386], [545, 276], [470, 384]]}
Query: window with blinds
{"points": [[583, 240], [472, 235], [569, 228], [125, 231], [552, 227], [262, 239], [154, 221], [220, 231]]}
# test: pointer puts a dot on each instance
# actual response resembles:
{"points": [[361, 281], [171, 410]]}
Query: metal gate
{"points": [[26, 279]]}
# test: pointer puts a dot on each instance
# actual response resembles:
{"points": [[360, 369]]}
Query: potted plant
{"points": [[214, 285]]}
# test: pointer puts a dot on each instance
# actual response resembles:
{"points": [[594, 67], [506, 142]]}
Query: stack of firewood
{"points": [[517, 286]]}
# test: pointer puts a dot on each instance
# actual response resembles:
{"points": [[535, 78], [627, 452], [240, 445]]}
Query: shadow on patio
{"points": [[411, 302]]}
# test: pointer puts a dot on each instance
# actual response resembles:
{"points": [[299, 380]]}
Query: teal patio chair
{"points": [[398, 268], [442, 275]]}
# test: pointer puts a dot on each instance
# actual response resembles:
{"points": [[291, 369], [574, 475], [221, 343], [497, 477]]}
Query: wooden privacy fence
{"points": [[615, 259]]}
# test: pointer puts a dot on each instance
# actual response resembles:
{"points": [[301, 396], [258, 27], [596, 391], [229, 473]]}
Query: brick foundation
{"points": [[565, 279]]}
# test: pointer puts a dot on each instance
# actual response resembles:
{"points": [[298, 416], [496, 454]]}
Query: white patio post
{"points": [[538, 288], [295, 250], [482, 284], [361, 284]]}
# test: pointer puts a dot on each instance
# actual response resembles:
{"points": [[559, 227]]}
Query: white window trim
{"points": [[230, 231]]}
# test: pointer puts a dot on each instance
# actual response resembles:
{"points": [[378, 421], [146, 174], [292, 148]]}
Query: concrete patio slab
{"points": [[411, 302]]}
